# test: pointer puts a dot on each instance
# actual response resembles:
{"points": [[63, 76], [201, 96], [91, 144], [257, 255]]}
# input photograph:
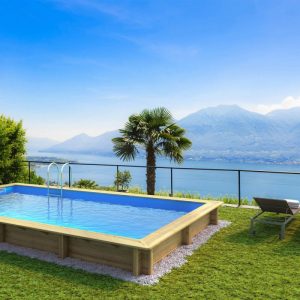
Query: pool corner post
{"points": [[136, 262], [150, 263], [142, 261], [2, 233], [213, 217], [62, 246], [186, 236]]}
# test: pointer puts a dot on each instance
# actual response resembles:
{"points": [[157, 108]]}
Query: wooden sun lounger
{"points": [[278, 206]]}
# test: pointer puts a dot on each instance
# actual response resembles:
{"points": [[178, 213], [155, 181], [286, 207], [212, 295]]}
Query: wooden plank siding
{"points": [[100, 252], [31, 238]]}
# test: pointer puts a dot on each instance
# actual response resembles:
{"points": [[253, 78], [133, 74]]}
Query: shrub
{"points": [[12, 150], [122, 179], [34, 178], [86, 184]]}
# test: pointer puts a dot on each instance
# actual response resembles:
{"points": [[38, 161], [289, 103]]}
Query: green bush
{"points": [[34, 178], [12, 150], [85, 184], [122, 180]]}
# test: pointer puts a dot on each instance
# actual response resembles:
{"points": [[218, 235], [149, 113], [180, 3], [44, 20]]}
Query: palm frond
{"points": [[157, 117], [124, 148]]}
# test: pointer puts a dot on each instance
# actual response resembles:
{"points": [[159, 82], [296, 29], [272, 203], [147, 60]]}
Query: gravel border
{"points": [[175, 259]]}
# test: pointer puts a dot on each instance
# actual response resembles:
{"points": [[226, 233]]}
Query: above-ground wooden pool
{"points": [[132, 232]]}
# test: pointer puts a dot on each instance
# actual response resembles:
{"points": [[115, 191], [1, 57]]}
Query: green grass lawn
{"points": [[232, 265]]}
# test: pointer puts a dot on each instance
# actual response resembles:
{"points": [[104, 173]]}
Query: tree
{"points": [[12, 150], [122, 179], [156, 132]]}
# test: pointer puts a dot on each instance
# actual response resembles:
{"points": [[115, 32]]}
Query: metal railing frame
{"points": [[118, 166]]}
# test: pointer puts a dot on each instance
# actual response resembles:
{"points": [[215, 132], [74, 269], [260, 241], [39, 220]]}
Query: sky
{"points": [[74, 66]]}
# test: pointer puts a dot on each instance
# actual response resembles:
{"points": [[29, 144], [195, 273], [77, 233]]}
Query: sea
{"points": [[204, 183]]}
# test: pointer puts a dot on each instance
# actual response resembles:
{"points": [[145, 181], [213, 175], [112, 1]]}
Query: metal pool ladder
{"points": [[60, 182], [61, 176], [53, 164]]}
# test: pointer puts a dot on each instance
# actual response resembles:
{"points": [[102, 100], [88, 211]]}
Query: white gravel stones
{"points": [[174, 260]]}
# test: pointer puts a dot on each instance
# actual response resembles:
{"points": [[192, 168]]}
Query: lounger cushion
{"points": [[293, 204]]}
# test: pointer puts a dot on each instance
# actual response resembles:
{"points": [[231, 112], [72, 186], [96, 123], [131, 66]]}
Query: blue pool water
{"points": [[127, 216]]}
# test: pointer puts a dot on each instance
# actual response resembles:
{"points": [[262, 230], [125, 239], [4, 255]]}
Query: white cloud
{"points": [[287, 103]]}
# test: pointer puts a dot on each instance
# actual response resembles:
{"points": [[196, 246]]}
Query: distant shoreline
{"points": [[60, 158]]}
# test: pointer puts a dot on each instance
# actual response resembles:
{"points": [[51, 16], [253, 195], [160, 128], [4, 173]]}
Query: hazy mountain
{"points": [[288, 117], [83, 143], [225, 131], [230, 128], [290, 120], [36, 144], [294, 138]]}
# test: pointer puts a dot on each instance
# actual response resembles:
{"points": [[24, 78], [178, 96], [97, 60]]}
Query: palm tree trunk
{"points": [[151, 163]]}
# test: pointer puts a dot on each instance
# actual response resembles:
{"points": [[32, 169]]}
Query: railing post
{"points": [[29, 171], [171, 177], [239, 187], [69, 176], [117, 178]]}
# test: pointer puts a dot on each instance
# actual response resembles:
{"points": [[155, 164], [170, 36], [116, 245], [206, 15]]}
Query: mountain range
{"points": [[85, 144], [35, 144], [223, 132]]}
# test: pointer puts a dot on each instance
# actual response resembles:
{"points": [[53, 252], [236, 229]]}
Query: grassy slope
{"points": [[231, 265]]}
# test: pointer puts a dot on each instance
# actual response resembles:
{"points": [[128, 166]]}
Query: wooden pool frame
{"points": [[135, 255]]}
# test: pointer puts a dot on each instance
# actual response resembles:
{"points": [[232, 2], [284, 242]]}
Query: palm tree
{"points": [[155, 132]]}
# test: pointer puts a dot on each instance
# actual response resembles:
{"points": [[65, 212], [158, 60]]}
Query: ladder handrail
{"points": [[48, 174], [62, 172]]}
